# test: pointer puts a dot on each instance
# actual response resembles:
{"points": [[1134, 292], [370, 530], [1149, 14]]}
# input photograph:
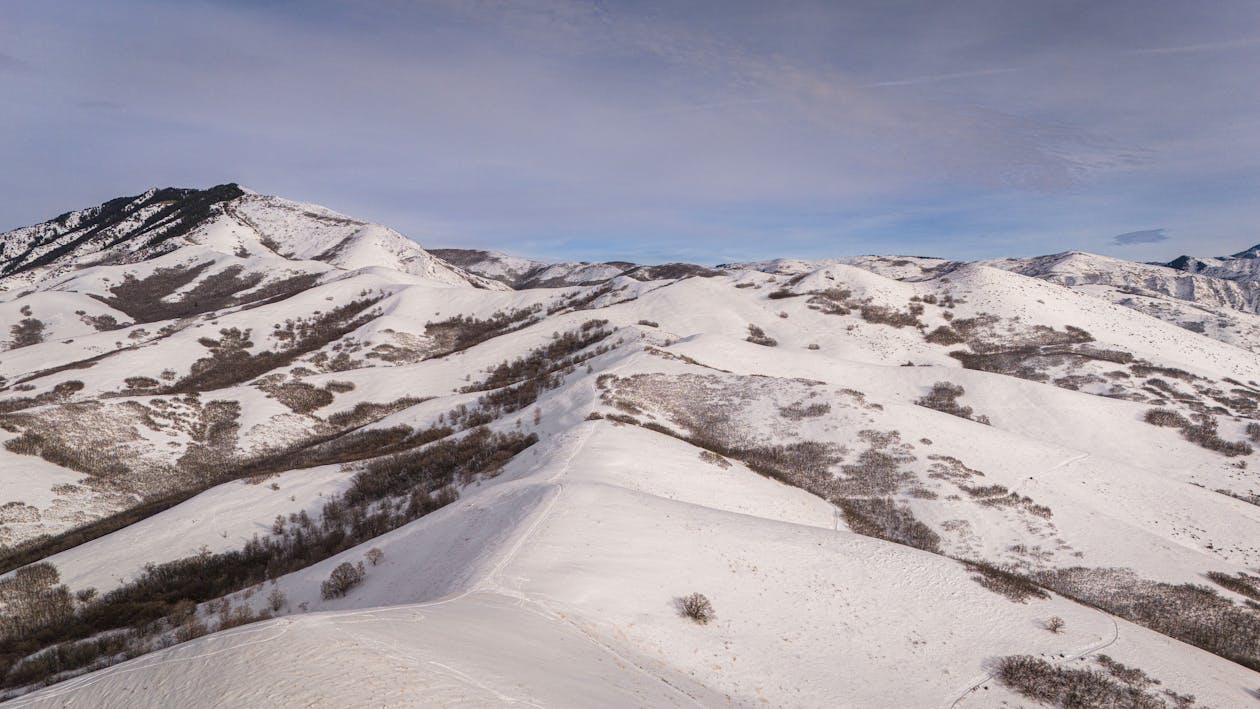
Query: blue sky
{"points": [[657, 131]]}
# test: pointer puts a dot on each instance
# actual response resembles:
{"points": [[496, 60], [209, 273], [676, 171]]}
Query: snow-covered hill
{"points": [[256, 452]]}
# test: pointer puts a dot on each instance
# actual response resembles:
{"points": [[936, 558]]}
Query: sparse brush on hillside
{"points": [[230, 361], [383, 497], [461, 332], [1202, 433]]}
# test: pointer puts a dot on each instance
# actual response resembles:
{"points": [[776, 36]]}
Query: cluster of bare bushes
{"points": [[458, 333], [149, 299], [757, 336], [230, 362], [1083, 688], [885, 315], [26, 332], [944, 398], [1202, 432], [1191, 613]]}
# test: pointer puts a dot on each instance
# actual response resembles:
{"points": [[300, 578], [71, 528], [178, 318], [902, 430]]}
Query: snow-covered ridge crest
{"points": [[228, 219]]}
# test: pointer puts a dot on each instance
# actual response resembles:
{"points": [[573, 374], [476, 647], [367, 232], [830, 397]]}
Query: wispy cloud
{"points": [[1223, 45], [936, 78], [1144, 236]]}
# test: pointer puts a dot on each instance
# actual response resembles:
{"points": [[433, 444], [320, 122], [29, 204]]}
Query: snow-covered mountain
{"points": [[256, 452], [1242, 266]]}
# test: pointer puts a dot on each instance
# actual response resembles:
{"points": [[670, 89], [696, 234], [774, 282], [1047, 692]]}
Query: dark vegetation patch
{"points": [[1202, 432], [1192, 614], [1081, 688], [299, 397], [670, 272], [458, 333], [944, 398], [783, 293], [230, 362], [343, 578], [832, 301], [148, 299], [560, 353], [59, 393], [800, 410], [27, 332], [100, 323], [887, 519], [884, 315], [944, 335], [93, 461], [1244, 584], [1004, 581], [366, 412]]}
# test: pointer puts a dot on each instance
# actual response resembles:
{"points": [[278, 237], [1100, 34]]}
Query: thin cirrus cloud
{"points": [[715, 131]]}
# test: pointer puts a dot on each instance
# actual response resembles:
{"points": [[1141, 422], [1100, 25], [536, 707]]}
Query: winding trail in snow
{"points": [[1088, 650]]}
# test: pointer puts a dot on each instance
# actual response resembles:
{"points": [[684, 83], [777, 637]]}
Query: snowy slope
{"points": [[886, 473]]}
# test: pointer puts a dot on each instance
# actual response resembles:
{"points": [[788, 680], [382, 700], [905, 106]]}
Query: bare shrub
{"points": [[100, 323], [944, 335], [140, 382], [374, 555], [343, 578], [28, 331], [783, 293], [1055, 624], [944, 398], [1253, 432], [757, 336], [276, 600], [799, 410], [697, 607]]}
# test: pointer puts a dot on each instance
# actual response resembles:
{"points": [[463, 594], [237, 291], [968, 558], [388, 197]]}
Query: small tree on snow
{"points": [[697, 607], [343, 578], [374, 555], [1055, 624]]}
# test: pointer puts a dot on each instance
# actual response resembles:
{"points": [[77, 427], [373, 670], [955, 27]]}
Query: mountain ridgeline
{"points": [[243, 436]]}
